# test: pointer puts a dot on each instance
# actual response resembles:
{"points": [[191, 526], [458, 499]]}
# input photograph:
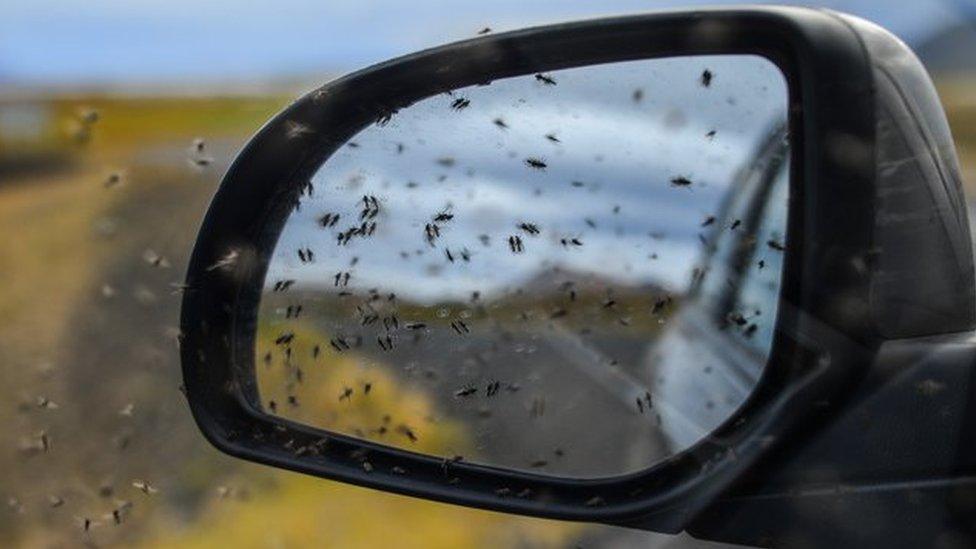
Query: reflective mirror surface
{"points": [[574, 273]]}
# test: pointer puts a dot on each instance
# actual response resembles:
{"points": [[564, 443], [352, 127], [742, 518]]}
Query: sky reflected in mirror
{"points": [[500, 260]]}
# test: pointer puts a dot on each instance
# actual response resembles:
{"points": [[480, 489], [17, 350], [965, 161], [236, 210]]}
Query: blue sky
{"points": [[79, 42]]}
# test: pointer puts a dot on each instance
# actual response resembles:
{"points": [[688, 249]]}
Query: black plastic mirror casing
{"points": [[827, 327]]}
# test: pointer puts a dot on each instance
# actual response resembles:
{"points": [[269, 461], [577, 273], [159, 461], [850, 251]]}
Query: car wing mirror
{"points": [[589, 271]]}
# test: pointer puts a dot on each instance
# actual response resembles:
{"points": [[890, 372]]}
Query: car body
{"points": [[702, 368]]}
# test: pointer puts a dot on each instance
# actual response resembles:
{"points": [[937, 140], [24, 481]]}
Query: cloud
{"points": [[635, 225]]}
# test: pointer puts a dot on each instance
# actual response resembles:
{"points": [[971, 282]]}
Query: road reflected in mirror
{"points": [[574, 273]]}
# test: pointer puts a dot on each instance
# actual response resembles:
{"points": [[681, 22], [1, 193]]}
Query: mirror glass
{"points": [[574, 273]]}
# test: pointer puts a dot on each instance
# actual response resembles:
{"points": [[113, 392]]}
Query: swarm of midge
{"points": [[88, 116], [282, 285], [45, 403], [339, 344], [391, 322], [144, 487], [306, 255], [515, 244], [86, 524], [285, 338], [367, 314], [492, 388], [431, 233], [155, 259], [341, 279], [385, 342], [85, 120], [226, 262], [545, 79], [367, 227], [370, 208], [295, 129], [660, 304], [446, 161], [644, 402], [38, 443], [385, 115], [119, 513], [113, 179], [364, 229], [706, 78], [460, 327], [407, 432], [328, 220], [432, 230], [197, 155], [200, 161]]}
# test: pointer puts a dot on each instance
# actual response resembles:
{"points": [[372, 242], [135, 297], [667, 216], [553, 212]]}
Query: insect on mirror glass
{"points": [[574, 273]]}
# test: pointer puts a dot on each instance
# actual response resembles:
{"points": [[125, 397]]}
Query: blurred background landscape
{"points": [[99, 207]]}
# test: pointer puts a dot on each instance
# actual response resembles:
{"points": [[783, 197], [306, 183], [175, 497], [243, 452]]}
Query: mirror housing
{"points": [[853, 88]]}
